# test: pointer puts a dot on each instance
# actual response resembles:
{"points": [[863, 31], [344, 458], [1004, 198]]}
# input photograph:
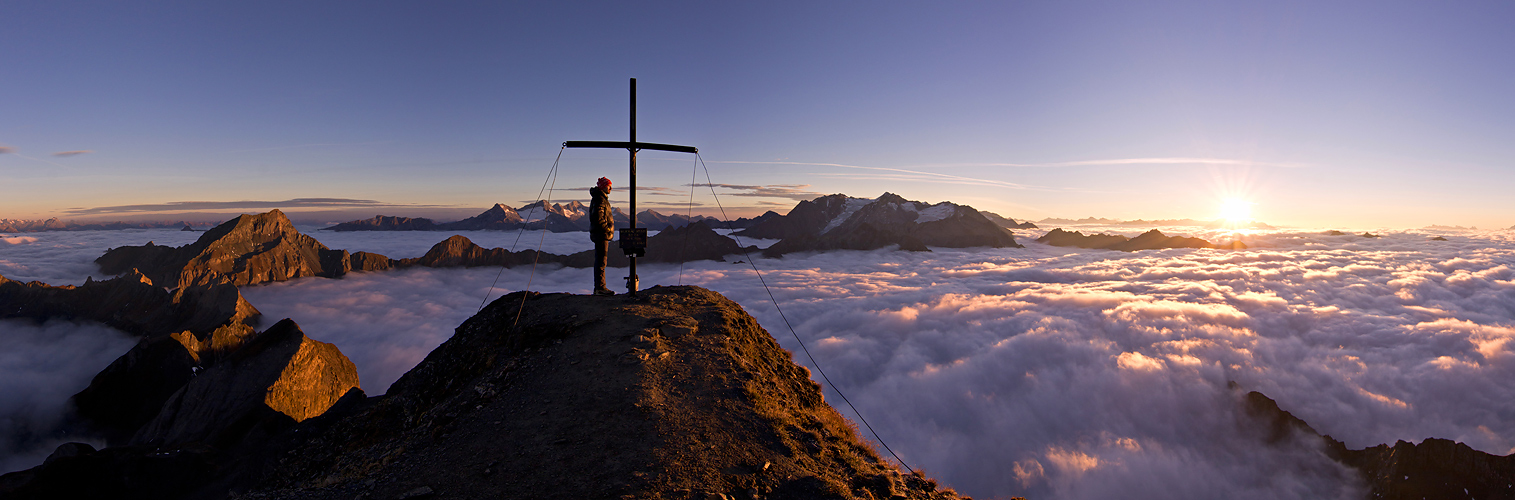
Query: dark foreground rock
{"points": [[1150, 240], [1435, 468], [182, 330], [675, 393]]}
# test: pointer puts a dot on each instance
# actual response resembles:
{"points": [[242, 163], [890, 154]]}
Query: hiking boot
{"points": [[603, 291]]}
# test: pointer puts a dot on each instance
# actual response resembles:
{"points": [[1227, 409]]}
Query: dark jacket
{"points": [[601, 224]]}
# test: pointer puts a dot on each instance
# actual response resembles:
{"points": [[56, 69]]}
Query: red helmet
{"points": [[603, 184]]}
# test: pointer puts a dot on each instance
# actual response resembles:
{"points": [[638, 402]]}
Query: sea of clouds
{"points": [[1045, 372]]}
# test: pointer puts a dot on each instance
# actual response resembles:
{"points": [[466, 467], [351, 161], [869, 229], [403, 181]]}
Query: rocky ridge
{"points": [[838, 222], [1150, 240], [1435, 468]]}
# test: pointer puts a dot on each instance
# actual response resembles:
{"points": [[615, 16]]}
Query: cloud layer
{"points": [[258, 205], [1061, 373], [40, 367]]}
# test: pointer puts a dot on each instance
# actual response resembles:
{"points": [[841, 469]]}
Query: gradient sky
{"points": [[1368, 114]]}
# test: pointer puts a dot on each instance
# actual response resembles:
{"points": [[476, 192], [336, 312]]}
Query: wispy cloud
{"points": [[1135, 161], [790, 191], [6, 149], [906, 174], [303, 146], [912, 175], [182, 206], [73, 153]]}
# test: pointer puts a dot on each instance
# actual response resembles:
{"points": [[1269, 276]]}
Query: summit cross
{"points": [[633, 239]]}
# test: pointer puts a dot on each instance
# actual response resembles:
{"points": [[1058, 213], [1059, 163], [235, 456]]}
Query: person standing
{"points": [[601, 231]]}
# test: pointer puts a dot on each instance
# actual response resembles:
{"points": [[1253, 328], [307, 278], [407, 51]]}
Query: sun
{"points": [[1235, 210]]}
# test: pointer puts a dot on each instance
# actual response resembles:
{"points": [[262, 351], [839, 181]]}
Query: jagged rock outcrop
{"points": [[366, 261], [674, 393], [1150, 240], [1435, 468], [191, 326], [279, 375], [859, 224], [385, 223], [249, 249]]}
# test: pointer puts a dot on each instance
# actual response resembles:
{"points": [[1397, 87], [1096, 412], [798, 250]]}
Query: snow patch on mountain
{"points": [[853, 205]]}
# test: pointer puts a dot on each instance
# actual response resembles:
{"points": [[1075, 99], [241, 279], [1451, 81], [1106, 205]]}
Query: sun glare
{"points": [[1236, 210]]}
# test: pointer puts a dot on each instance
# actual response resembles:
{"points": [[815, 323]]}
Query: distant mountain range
{"points": [[1098, 221], [1150, 240], [53, 224], [557, 217], [840, 222], [573, 216]]}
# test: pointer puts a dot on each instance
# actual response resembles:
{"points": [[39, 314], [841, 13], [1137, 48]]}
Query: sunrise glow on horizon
{"points": [[1392, 115]]}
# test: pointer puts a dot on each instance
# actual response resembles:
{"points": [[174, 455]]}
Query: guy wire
{"points": [[775, 301]]}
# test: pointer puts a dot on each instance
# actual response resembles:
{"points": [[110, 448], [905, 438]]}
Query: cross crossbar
{"points": [[628, 145]]}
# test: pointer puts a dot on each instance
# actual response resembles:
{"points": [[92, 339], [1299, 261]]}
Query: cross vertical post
{"points": [[633, 240], [631, 281]]}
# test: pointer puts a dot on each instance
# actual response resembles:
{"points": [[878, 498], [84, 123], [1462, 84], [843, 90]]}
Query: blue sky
{"points": [[1350, 114]]}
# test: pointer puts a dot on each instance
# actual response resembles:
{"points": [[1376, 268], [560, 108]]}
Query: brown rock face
{"points": [[249, 249], [280, 373], [677, 393]]}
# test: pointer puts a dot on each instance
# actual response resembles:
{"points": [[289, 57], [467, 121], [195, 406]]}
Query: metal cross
{"points": [[632, 146]]}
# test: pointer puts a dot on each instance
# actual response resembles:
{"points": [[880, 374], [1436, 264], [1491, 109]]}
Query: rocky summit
{"points": [[249, 249], [673, 393]]}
